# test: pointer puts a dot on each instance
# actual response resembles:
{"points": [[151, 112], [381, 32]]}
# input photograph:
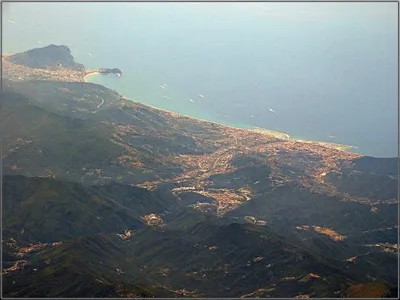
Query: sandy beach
{"points": [[90, 73]]}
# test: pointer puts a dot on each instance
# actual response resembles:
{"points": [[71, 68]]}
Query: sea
{"points": [[316, 71]]}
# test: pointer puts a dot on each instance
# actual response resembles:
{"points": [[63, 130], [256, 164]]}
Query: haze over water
{"points": [[317, 71]]}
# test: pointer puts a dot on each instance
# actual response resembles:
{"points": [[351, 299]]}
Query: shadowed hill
{"points": [[51, 56], [49, 210], [194, 254], [84, 267], [380, 166], [39, 142], [292, 206]]}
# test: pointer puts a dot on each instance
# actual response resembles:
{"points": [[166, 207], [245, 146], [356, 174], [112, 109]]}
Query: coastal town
{"points": [[18, 72], [305, 162]]}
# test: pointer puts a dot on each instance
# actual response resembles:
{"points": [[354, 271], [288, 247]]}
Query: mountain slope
{"points": [[69, 147], [49, 210], [51, 56]]}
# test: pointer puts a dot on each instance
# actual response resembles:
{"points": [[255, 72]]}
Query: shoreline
{"points": [[89, 74], [175, 114], [337, 146], [277, 134]]}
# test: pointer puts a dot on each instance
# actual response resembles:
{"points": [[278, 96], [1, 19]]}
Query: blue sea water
{"points": [[317, 71]]}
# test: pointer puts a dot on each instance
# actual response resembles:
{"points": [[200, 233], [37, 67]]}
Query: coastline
{"points": [[89, 74], [281, 135], [276, 134], [180, 115], [337, 146], [285, 136]]}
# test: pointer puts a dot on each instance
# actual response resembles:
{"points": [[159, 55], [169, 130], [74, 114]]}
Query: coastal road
{"points": [[227, 151], [236, 140], [102, 102]]}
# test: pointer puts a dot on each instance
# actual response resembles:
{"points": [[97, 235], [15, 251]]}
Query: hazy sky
{"points": [[69, 17]]}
